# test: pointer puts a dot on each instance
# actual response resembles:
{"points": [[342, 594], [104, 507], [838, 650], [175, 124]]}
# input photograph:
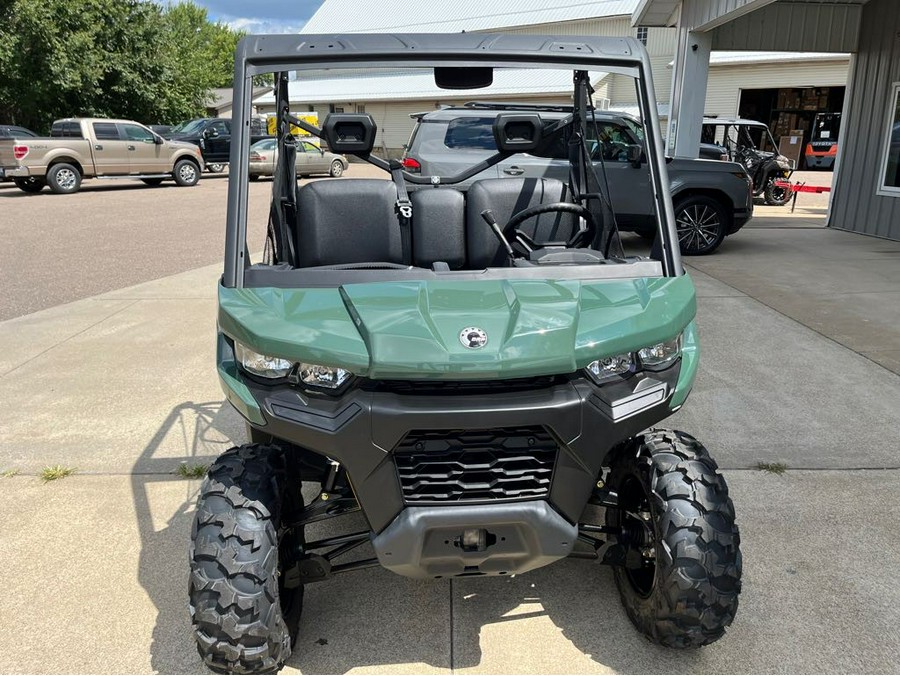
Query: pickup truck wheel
{"points": [[336, 169], [215, 168], [701, 223], [152, 181], [64, 179], [186, 173], [30, 184]]}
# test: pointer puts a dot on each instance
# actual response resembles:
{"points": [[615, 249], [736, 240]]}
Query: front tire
{"points": [[32, 184], [241, 613], [186, 173], [337, 169], [215, 168], [775, 195], [701, 224], [682, 572], [64, 179]]}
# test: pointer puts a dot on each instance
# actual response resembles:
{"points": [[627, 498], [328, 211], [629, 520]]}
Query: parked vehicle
{"points": [[213, 136], [750, 144], [822, 149], [10, 131], [80, 148], [311, 159], [14, 131], [712, 200], [475, 372], [161, 129]]}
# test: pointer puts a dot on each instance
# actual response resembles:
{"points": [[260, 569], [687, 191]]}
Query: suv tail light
{"points": [[412, 165], [19, 152]]}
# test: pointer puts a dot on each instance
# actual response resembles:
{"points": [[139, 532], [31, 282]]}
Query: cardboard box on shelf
{"points": [[783, 95]]}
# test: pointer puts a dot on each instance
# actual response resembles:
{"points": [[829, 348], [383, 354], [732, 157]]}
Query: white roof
{"points": [[406, 85], [442, 16], [662, 109]]}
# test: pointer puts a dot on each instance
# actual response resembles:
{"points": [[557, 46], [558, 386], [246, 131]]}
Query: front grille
{"points": [[425, 387], [464, 466]]}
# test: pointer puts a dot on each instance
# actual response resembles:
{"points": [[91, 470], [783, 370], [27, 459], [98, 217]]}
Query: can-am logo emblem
{"points": [[472, 337]]}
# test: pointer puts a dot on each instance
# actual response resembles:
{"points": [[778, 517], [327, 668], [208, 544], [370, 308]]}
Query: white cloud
{"points": [[262, 25]]}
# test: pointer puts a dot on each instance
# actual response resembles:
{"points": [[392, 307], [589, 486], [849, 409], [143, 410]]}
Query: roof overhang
{"points": [[655, 13]]}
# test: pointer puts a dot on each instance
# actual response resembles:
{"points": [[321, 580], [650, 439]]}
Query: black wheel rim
{"points": [[779, 194], [637, 519], [698, 227]]}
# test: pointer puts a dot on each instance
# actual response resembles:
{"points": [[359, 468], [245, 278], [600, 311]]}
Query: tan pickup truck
{"points": [[79, 148]]}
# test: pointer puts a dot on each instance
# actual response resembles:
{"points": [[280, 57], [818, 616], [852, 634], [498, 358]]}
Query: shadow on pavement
{"points": [[374, 617]]}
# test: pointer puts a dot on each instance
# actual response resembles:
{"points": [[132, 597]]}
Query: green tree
{"points": [[109, 58]]}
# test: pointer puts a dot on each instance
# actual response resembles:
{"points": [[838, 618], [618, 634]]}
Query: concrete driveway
{"points": [[800, 337]]}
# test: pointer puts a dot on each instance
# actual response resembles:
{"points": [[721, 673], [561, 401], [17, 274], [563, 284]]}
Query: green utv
{"points": [[477, 372]]}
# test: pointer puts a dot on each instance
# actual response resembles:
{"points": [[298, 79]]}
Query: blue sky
{"points": [[262, 16]]}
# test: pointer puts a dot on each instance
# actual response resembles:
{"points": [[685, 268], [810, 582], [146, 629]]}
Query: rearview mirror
{"points": [[450, 77]]}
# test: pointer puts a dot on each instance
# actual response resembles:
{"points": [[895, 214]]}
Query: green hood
{"points": [[411, 329]]}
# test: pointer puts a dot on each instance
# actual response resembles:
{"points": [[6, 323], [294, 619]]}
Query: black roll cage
{"points": [[280, 53]]}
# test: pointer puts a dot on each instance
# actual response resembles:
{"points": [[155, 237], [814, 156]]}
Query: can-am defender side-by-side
{"points": [[478, 374], [750, 144]]}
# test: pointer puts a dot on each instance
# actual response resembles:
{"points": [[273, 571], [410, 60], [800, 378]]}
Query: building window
{"points": [[642, 35], [890, 166], [360, 107]]}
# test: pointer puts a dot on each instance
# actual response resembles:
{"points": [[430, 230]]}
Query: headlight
{"points": [[310, 375], [260, 364], [602, 370], [327, 377], [660, 356]]}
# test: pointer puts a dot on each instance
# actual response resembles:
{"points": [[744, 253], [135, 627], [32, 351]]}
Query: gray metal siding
{"points": [[706, 14], [856, 205], [786, 26]]}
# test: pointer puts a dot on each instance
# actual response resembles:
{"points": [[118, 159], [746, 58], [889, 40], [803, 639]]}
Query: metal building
{"points": [[866, 195]]}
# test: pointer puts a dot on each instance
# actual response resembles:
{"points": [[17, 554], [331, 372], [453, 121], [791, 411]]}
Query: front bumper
{"points": [[365, 427], [427, 542]]}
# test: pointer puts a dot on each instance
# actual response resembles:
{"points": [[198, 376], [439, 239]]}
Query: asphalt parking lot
{"points": [[115, 233], [800, 329]]}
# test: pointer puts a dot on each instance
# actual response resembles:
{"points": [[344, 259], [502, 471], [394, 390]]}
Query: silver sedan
{"points": [[310, 160]]}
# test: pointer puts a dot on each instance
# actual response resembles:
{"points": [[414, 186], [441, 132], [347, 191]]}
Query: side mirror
{"points": [[210, 133], [636, 155], [349, 133], [154, 139], [518, 133]]}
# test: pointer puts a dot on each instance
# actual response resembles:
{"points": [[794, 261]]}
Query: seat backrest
{"points": [[351, 220], [506, 197], [438, 227]]}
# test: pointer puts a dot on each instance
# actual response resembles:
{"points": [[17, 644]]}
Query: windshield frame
{"points": [[282, 53]]}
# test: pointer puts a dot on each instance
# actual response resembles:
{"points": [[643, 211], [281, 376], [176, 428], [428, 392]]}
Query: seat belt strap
{"points": [[404, 211]]}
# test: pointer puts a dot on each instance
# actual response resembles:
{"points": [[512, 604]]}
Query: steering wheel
{"points": [[578, 239]]}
